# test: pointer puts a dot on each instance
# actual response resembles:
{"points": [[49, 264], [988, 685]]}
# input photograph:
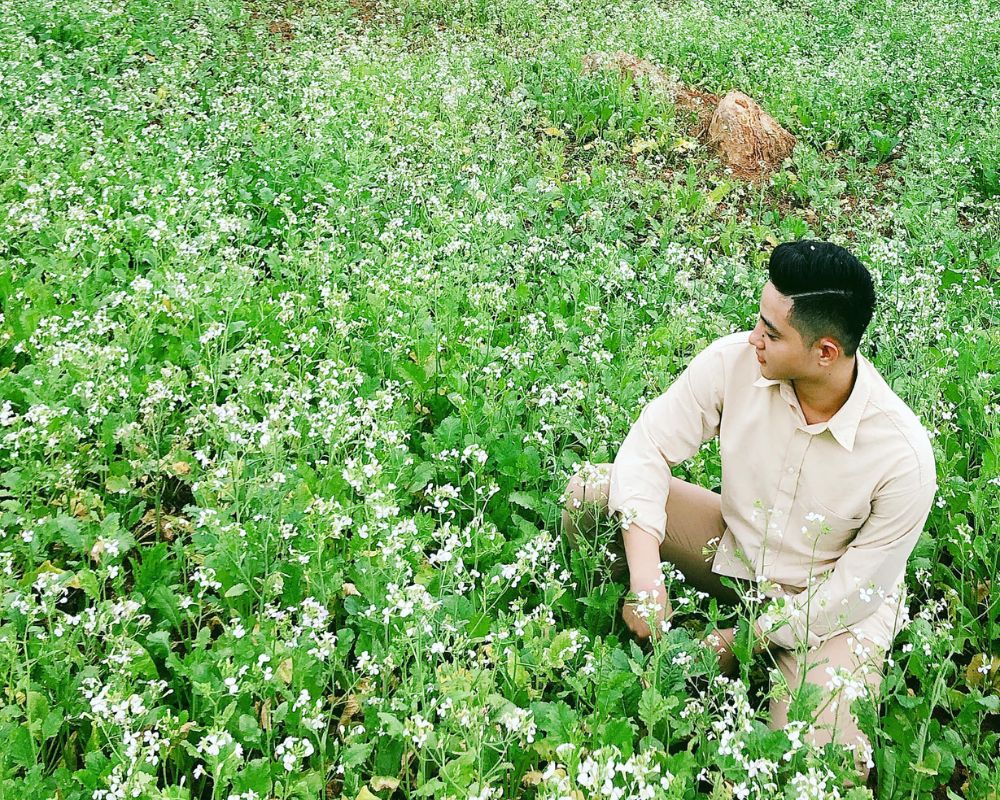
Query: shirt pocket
{"points": [[843, 517]]}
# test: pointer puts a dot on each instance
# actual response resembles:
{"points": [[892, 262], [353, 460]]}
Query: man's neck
{"points": [[826, 396]]}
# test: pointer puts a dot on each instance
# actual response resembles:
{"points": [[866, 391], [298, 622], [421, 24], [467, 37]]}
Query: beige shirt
{"points": [[868, 472]]}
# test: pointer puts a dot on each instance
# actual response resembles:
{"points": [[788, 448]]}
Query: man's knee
{"points": [[589, 484], [573, 494]]}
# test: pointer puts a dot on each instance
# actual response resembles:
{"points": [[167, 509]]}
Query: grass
{"points": [[310, 310]]}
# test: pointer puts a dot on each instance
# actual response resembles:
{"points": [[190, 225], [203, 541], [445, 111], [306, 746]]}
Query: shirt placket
{"points": [[778, 521]]}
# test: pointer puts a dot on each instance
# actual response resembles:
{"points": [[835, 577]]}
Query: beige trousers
{"points": [[694, 518]]}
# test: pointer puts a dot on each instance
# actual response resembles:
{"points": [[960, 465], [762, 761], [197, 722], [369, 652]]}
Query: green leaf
{"points": [[618, 732], [653, 707], [69, 531], [561, 641], [354, 755], [164, 599], [478, 626], [256, 776], [237, 590], [117, 483], [423, 474], [460, 771], [38, 707], [52, 723], [990, 702], [557, 719], [449, 431], [249, 729], [909, 702], [804, 701], [929, 765], [141, 664], [433, 788], [393, 726], [19, 747], [158, 644], [86, 579], [523, 499]]}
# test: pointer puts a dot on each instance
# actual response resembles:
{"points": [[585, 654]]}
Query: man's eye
{"points": [[772, 337]]}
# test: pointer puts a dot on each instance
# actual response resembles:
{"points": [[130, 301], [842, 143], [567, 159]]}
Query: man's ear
{"points": [[829, 350]]}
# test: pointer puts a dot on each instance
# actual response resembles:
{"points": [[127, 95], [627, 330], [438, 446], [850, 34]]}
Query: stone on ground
{"points": [[749, 139]]}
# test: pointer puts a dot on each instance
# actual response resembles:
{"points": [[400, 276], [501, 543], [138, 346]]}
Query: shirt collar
{"points": [[844, 424]]}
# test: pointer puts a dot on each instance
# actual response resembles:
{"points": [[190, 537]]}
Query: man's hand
{"points": [[642, 551], [721, 642], [635, 613]]}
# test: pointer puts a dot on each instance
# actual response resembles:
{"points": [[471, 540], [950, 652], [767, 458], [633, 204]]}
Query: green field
{"points": [[311, 309]]}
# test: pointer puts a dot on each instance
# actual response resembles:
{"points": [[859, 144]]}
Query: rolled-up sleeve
{"points": [[669, 430], [863, 576]]}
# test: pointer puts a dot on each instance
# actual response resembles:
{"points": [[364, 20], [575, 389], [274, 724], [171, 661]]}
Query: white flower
{"points": [[291, 750], [213, 331]]}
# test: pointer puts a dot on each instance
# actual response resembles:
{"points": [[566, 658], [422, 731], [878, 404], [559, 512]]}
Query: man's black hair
{"points": [[831, 291]]}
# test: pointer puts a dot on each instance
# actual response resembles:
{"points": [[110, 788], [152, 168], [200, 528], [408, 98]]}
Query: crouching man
{"points": [[827, 481]]}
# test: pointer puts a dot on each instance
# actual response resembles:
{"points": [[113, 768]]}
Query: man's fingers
{"points": [[634, 622]]}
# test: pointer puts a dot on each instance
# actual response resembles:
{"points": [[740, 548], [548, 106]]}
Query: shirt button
{"points": [[791, 470]]}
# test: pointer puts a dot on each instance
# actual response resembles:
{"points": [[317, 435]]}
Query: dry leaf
{"points": [[284, 671], [265, 715], [974, 674], [380, 782], [77, 507], [557, 133], [348, 589], [180, 468], [352, 708], [642, 145], [97, 549], [150, 529], [532, 778]]}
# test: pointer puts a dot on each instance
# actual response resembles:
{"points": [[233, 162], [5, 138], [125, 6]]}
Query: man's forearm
{"points": [[642, 550]]}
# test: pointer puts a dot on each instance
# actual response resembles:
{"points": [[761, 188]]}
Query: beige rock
{"points": [[749, 139]]}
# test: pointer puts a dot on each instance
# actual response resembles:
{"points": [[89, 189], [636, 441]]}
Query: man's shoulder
{"points": [[726, 358], [732, 340], [901, 421], [733, 355], [731, 345]]}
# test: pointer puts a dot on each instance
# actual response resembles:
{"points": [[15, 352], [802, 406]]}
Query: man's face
{"points": [[780, 349]]}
